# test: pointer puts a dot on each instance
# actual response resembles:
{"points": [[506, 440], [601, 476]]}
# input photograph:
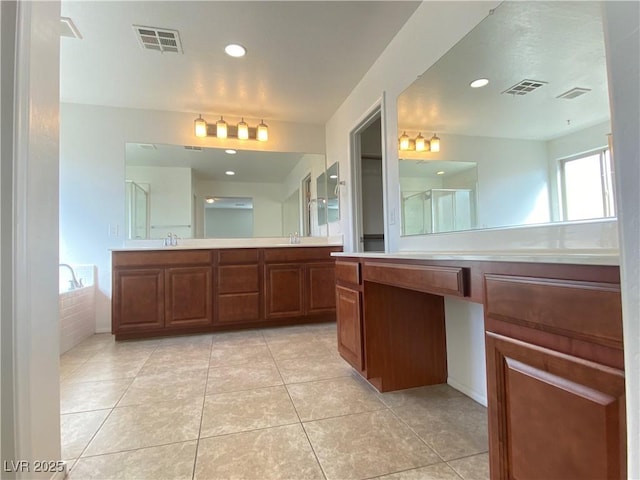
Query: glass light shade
{"points": [[420, 145], [221, 128], [243, 130], [200, 127], [404, 141], [262, 133], [434, 143]]}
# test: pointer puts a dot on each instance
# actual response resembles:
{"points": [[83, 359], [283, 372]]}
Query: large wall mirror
{"points": [[197, 192], [528, 147]]}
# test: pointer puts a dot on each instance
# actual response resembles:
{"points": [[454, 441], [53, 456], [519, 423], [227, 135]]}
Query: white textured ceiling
{"points": [[303, 59], [560, 43], [210, 164]]}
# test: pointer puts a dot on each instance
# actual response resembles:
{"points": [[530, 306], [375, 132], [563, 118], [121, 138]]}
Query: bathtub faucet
{"points": [[73, 283]]}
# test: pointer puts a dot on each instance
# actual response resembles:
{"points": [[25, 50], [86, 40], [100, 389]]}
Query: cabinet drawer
{"points": [[297, 254], [590, 311], [423, 278], [162, 258], [238, 279], [348, 272], [240, 255], [239, 308]]}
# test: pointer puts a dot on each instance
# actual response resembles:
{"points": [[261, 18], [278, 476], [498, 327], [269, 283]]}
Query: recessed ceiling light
{"points": [[235, 50], [481, 82], [229, 172], [441, 172], [230, 151]]}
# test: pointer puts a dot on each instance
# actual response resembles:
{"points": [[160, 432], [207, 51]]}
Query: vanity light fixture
{"points": [[200, 126], [434, 143], [235, 50], [221, 128], [229, 172], [479, 83], [241, 131], [262, 132], [419, 144]]}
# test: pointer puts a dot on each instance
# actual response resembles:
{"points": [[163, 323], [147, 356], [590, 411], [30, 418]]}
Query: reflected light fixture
{"points": [[434, 143], [221, 128], [200, 126], [420, 145], [210, 200], [230, 151], [404, 141], [440, 172], [229, 172], [263, 132], [241, 131]]}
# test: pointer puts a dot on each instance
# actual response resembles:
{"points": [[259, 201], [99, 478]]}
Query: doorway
{"points": [[367, 184]]}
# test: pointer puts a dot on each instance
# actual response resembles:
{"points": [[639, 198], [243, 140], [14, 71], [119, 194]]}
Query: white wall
{"points": [[170, 198], [29, 211], [92, 166], [228, 223], [622, 42]]}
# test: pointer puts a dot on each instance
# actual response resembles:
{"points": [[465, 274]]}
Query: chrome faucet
{"points": [[73, 283]]}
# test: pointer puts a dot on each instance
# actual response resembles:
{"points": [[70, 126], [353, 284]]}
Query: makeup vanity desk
{"points": [[553, 338]]}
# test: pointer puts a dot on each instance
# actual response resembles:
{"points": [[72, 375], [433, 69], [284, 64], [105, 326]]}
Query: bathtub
{"points": [[77, 305]]}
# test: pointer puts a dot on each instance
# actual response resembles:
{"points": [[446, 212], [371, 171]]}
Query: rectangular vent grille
{"points": [[525, 86], [573, 93], [159, 39], [193, 148]]}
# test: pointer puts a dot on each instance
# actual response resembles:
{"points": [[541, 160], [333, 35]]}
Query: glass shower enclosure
{"points": [[438, 210], [137, 211]]}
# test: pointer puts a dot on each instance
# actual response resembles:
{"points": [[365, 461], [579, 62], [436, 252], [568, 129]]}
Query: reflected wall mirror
{"points": [[197, 192], [537, 133]]}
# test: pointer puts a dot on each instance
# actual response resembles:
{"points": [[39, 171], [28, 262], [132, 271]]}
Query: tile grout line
{"points": [[204, 400]]}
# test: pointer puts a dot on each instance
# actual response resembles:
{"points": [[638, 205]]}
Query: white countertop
{"points": [[575, 257], [222, 243]]}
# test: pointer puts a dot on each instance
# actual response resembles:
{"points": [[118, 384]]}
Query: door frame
{"points": [[355, 152]]}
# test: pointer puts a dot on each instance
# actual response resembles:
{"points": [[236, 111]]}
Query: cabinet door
{"points": [[138, 299], [284, 290], [553, 415], [321, 295], [188, 296], [349, 326]]}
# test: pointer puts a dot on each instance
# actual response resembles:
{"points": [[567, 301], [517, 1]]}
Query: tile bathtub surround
{"points": [[269, 403]]}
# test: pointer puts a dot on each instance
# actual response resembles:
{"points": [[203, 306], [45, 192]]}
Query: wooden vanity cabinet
{"points": [[299, 282], [555, 378], [170, 292], [349, 314]]}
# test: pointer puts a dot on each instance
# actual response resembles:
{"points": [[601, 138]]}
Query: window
{"points": [[587, 186]]}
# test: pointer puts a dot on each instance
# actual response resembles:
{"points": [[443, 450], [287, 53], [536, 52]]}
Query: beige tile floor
{"points": [[261, 404]]}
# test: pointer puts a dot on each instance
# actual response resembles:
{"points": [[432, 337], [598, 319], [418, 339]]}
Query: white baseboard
{"points": [[481, 398], [103, 330]]}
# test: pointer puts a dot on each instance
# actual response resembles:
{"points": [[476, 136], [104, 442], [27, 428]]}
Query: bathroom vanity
{"points": [[173, 291], [554, 351]]}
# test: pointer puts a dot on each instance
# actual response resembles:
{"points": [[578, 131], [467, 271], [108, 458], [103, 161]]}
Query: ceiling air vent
{"points": [[159, 39], [193, 148], [573, 93], [68, 28], [525, 86]]}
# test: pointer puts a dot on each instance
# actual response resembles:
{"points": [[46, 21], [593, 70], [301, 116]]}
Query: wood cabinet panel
{"points": [[284, 290], [321, 294], [298, 254], [349, 318], [239, 255], [188, 296], [589, 311], [238, 308], [238, 279], [348, 272], [423, 278], [161, 258], [138, 299], [552, 415]]}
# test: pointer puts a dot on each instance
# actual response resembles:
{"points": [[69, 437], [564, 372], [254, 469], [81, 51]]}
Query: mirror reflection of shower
{"points": [[137, 210], [438, 210]]}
